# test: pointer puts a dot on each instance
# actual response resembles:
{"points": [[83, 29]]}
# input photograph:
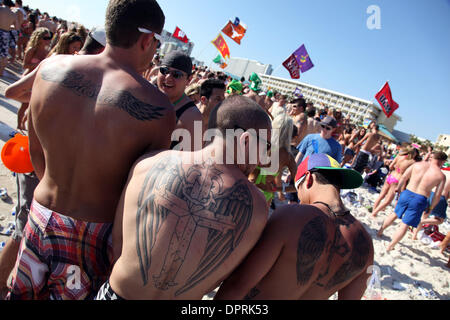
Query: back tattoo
{"points": [[196, 199], [124, 100]]}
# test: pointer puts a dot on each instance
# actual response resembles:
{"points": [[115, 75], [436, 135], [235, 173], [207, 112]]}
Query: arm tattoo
{"points": [[310, 248], [195, 200], [82, 87], [252, 294]]}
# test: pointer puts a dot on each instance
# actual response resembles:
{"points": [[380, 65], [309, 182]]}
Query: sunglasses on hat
{"points": [[174, 73]]}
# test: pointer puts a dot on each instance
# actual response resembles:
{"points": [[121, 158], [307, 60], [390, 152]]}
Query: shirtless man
{"points": [[46, 22], [438, 214], [308, 251], [181, 228], [90, 118], [313, 126], [212, 92], [7, 19], [367, 144], [297, 112], [423, 177], [401, 163], [21, 91], [174, 76]]}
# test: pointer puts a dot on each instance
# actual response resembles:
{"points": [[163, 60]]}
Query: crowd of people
{"points": [[122, 205]]}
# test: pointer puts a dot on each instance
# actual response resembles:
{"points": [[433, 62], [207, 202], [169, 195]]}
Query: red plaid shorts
{"points": [[61, 258]]}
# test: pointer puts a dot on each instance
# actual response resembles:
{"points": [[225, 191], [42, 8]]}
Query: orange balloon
{"points": [[16, 155]]}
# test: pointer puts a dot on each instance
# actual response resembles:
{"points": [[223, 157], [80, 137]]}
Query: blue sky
{"points": [[411, 50]]}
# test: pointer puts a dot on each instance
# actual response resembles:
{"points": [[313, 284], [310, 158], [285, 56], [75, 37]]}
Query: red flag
{"points": [[384, 98], [222, 46], [180, 35], [292, 66], [235, 32]]}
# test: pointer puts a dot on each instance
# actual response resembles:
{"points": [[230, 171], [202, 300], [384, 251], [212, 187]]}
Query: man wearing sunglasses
{"points": [[322, 142], [91, 117], [174, 76]]}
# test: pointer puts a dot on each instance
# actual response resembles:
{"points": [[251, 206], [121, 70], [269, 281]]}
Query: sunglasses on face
{"points": [[326, 127], [174, 73]]}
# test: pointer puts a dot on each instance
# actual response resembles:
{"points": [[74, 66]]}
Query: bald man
{"points": [[183, 226]]}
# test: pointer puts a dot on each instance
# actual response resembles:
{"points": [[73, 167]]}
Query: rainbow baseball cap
{"points": [[351, 179]]}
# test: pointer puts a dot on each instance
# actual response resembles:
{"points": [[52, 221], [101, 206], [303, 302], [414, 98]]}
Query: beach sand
{"points": [[410, 263]]}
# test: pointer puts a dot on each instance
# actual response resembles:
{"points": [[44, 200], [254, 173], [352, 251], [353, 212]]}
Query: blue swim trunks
{"points": [[440, 210], [410, 207]]}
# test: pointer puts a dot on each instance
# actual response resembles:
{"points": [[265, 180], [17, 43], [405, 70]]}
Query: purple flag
{"points": [[298, 92], [303, 59]]}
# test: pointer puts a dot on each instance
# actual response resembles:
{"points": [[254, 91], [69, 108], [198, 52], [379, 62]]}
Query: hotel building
{"points": [[358, 109]]}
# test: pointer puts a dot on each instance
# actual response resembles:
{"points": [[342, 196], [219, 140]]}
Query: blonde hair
{"points": [[36, 36], [66, 39], [282, 136]]}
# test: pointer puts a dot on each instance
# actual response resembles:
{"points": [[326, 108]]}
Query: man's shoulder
{"points": [[299, 212]]}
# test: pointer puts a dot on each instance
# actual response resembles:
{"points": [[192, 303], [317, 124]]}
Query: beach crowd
{"points": [[139, 191]]}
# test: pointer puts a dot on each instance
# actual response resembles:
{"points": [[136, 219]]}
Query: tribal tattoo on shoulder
{"points": [[124, 100], [355, 257], [197, 199], [314, 242], [311, 245]]}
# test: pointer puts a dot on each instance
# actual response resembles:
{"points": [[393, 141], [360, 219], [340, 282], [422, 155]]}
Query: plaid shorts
{"points": [[61, 258]]}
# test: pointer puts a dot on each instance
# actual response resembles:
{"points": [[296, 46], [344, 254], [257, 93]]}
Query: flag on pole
{"points": [[223, 65], [384, 98], [222, 46], [180, 35], [292, 66], [303, 59], [235, 32]]}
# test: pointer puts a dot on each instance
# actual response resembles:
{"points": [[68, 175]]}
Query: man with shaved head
{"points": [[182, 227]]}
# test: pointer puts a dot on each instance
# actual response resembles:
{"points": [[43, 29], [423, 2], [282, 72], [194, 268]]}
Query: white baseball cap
{"points": [[98, 34]]}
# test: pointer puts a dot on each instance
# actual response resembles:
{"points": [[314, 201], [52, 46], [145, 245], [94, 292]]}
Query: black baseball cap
{"points": [[178, 60]]}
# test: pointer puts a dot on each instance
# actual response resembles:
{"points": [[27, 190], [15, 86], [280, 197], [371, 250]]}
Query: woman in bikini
{"points": [[350, 151], [403, 161], [36, 51], [68, 43], [26, 30]]}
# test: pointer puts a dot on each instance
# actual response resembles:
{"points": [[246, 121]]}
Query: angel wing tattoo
{"points": [[197, 198]]}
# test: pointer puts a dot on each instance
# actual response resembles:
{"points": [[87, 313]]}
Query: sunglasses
{"points": [[156, 35], [326, 127], [47, 38], [174, 73]]}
